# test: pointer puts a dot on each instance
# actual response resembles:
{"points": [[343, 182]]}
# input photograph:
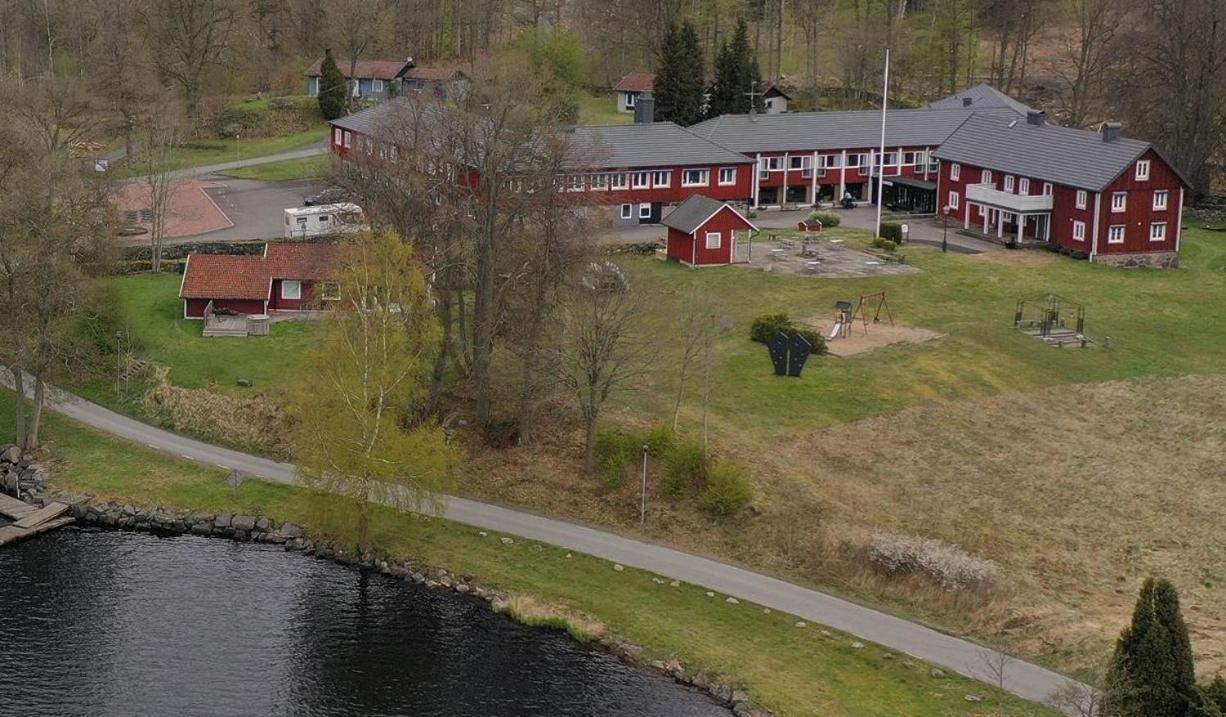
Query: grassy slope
{"points": [[784, 668], [204, 152], [284, 171], [601, 109]]}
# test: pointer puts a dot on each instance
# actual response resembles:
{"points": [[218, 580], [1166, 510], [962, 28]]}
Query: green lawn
{"points": [[153, 314], [790, 670], [204, 152], [285, 170], [601, 109]]}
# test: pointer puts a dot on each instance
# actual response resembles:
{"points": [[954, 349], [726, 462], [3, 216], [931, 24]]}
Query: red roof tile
{"points": [[229, 276], [636, 82], [366, 69]]}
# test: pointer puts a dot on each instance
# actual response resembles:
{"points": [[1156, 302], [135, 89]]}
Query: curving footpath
{"points": [[1023, 679]]}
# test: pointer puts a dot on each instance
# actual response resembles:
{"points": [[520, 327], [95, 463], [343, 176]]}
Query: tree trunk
{"points": [[36, 416], [440, 361], [589, 444], [19, 406]]}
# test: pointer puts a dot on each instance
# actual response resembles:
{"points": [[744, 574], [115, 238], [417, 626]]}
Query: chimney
{"points": [[967, 101], [1111, 131], [645, 109], [1037, 118]]}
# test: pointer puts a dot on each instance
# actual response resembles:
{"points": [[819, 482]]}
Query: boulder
{"points": [[290, 530], [244, 522], [10, 454], [222, 520], [262, 524]]}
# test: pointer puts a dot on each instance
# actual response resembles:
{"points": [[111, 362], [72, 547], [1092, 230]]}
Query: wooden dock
{"points": [[30, 519]]}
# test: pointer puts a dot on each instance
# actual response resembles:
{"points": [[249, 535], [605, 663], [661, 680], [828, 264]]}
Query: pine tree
{"points": [[1152, 669], [678, 86], [736, 76], [331, 88]]}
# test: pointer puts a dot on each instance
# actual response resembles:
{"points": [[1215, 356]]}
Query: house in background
{"points": [[776, 100], [372, 79], [703, 232], [289, 277], [443, 83], [630, 87]]}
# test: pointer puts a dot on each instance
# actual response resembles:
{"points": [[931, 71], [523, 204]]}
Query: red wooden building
{"points": [[703, 232], [288, 276]]}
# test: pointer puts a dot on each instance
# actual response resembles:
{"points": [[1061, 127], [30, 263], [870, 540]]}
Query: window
{"points": [[696, 178], [1079, 231], [330, 291], [642, 180], [1143, 170], [891, 158], [1048, 189], [833, 161], [662, 178], [798, 162], [955, 172], [574, 183], [773, 164], [338, 136], [348, 138], [1009, 183], [644, 211], [985, 176], [600, 182], [934, 164], [1082, 198], [291, 289], [853, 160], [631, 98], [376, 86], [1023, 186], [618, 181], [955, 200], [1119, 202], [1161, 200], [727, 176], [1157, 231], [627, 211], [1116, 234], [714, 240], [908, 158]]}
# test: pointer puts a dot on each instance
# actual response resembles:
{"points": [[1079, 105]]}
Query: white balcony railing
{"points": [[1024, 204]]}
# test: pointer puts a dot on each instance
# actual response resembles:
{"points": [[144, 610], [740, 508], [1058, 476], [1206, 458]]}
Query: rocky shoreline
{"points": [[31, 482]]}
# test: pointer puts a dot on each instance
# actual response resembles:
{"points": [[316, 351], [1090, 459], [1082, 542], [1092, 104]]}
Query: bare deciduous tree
{"points": [[187, 39], [1090, 55], [160, 139]]}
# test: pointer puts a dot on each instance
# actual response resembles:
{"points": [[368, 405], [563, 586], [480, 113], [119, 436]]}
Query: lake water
{"points": [[101, 622]]}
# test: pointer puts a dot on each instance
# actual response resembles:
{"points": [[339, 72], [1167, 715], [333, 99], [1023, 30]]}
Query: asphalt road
{"points": [[1023, 679]]}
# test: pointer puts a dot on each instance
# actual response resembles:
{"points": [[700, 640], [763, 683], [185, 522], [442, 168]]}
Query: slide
{"points": [[834, 331]]}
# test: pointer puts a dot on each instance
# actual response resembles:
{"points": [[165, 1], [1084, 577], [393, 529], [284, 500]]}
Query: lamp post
{"points": [[118, 362], [945, 231], [643, 499]]}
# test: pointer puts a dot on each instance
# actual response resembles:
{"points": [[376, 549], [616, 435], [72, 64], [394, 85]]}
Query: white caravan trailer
{"points": [[326, 219]]}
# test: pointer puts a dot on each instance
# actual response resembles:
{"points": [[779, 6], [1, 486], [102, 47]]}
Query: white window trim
{"points": [[627, 211], [719, 240], [985, 177], [1119, 202], [1083, 198], [1111, 234], [1143, 176], [1165, 202], [730, 182], [666, 174], [1048, 189], [704, 173], [644, 184], [1023, 186], [296, 294], [376, 85], [619, 181], [1010, 180], [645, 210], [338, 136], [1079, 230], [600, 182], [1157, 225], [348, 138], [955, 200], [955, 172]]}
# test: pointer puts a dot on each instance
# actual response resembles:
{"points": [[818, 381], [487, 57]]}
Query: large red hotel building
{"points": [[980, 158]]}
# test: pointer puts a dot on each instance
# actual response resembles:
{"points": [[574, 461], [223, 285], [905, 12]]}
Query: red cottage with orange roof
{"points": [[288, 276]]}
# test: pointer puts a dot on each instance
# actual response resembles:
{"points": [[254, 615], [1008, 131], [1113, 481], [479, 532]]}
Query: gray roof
{"points": [[810, 131], [983, 97], [692, 213], [1072, 157], [658, 144]]}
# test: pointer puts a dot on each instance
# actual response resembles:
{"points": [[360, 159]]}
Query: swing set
{"points": [[845, 316]]}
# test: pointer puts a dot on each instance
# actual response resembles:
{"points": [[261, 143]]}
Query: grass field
{"points": [[601, 109], [204, 152], [285, 170], [792, 671]]}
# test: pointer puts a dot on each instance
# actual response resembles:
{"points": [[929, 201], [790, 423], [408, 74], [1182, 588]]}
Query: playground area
{"points": [[819, 258], [863, 325]]}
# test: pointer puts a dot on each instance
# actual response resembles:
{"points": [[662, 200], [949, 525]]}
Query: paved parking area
{"points": [[256, 208], [822, 259]]}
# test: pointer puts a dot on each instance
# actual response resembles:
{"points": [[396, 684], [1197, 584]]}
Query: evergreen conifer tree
{"points": [[678, 87], [1152, 669], [332, 88], [736, 76]]}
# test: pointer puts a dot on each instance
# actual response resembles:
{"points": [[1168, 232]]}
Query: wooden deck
{"points": [[29, 519]]}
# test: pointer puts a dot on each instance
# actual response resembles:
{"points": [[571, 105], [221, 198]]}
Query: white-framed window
{"points": [[291, 289], [618, 181], [1115, 235], [1048, 189], [983, 212], [854, 160], [934, 164], [348, 138], [574, 183], [955, 172], [1008, 182], [774, 164], [911, 158], [631, 99], [627, 211], [642, 180], [955, 200], [600, 182], [1119, 202], [645, 211], [1142, 170], [330, 291], [1083, 198], [1079, 231], [727, 176], [1157, 231], [1161, 200], [714, 240], [376, 86], [662, 178], [985, 177], [1023, 186], [338, 136], [832, 161], [891, 159], [696, 178], [800, 161]]}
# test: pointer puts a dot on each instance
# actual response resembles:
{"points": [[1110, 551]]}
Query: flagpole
{"points": [[885, 102]]}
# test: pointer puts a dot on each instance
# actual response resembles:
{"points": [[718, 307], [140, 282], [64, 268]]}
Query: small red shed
{"points": [[702, 232]]}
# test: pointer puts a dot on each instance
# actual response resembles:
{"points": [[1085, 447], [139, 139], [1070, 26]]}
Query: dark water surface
{"points": [[100, 622]]}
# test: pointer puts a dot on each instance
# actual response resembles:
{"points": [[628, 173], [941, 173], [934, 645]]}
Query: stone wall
{"points": [[20, 476], [1156, 260]]}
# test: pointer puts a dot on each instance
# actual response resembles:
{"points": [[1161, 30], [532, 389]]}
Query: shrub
{"points": [[948, 565], [883, 243], [613, 458], [658, 439], [728, 490], [685, 469], [765, 327], [891, 231], [828, 220]]}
